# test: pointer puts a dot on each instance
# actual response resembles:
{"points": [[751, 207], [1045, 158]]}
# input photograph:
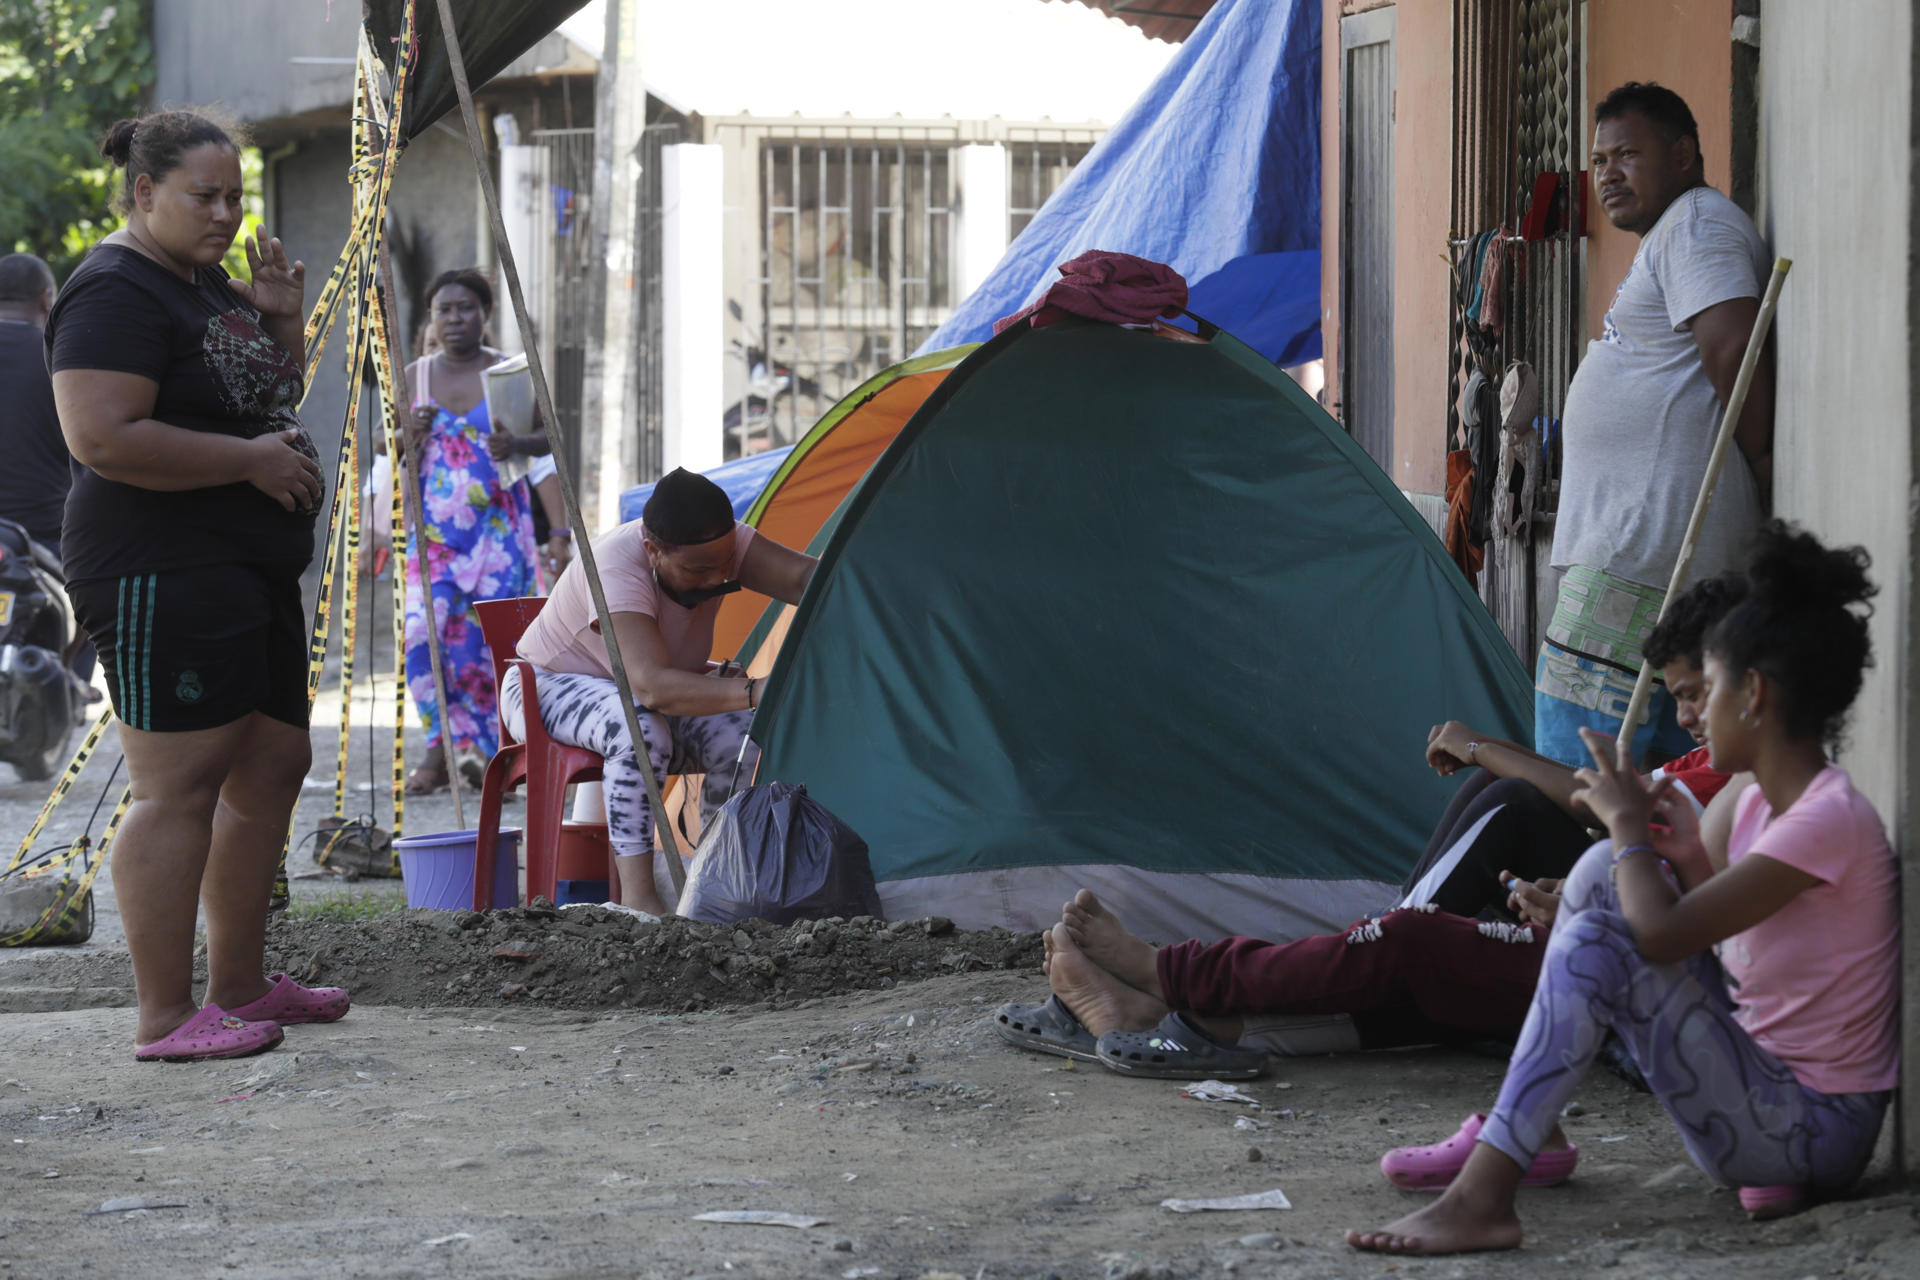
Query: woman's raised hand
{"points": [[283, 473], [1611, 790], [278, 288]]}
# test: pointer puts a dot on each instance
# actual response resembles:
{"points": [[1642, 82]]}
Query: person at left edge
{"points": [[186, 534], [39, 470]]}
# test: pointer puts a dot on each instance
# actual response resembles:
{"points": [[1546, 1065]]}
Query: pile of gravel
{"points": [[590, 958]]}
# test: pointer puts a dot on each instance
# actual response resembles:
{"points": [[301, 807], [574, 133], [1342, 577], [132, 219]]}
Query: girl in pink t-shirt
{"points": [[1776, 1056]]}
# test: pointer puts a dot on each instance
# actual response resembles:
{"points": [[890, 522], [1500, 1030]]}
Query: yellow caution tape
{"points": [[352, 290], [390, 428], [61, 788], [66, 906]]}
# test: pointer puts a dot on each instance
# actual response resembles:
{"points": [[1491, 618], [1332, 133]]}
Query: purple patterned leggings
{"points": [[1742, 1115], [584, 711]]}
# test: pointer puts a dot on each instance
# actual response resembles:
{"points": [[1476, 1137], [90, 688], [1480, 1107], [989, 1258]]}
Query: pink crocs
{"points": [[1434, 1168], [1763, 1204], [211, 1033], [289, 1002]]}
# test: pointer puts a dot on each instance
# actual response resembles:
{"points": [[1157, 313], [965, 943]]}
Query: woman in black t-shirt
{"points": [[184, 541]]}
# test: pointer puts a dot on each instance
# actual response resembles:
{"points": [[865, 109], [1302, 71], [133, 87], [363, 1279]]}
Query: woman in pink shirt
{"points": [[664, 575], [1777, 1083]]}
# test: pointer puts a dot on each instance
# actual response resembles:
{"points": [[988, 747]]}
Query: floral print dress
{"points": [[479, 537]]}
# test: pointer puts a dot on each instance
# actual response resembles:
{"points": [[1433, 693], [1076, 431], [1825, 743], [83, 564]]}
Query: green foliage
{"points": [[349, 908], [68, 69]]}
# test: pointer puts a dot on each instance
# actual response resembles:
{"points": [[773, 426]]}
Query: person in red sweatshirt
{"points": [[1454, 961]]}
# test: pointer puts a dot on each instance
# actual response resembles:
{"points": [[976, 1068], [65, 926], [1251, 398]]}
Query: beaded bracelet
{"points": [[1621, 855]]}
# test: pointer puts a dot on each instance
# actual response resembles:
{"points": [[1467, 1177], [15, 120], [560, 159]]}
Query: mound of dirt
{"points": [[589, 958]]}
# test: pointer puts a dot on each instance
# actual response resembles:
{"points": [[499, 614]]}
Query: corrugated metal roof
{"points": [[1169, 20]]}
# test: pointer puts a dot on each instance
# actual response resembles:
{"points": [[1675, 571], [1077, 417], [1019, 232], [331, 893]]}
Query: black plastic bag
{"points": [[774, 853]]}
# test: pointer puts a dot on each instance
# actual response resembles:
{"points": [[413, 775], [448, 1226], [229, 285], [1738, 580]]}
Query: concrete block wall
{"points": [[1838, 197]]}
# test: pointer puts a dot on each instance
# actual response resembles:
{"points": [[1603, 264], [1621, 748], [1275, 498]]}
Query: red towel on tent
{"points": [[1114, 288]]}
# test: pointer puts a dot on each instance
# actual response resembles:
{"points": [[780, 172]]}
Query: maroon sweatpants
{"points": [[1408, 977]]}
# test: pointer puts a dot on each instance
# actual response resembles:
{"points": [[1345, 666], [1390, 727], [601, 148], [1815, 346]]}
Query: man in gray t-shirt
{"points": [[1641, 416]]}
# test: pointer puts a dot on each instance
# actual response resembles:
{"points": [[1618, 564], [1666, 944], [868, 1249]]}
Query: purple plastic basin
{"points": [[438, 869]]}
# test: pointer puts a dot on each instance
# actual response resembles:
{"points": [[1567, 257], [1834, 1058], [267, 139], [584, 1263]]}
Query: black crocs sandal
{"points": [[1178, 1050], [1046, 1028]]}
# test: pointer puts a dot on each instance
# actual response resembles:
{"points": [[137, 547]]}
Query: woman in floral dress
{"points": [[479, 530]]}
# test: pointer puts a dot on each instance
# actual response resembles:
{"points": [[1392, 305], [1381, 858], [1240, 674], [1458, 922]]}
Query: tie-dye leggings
{"points": [[584, 711], [1742, 1115]]}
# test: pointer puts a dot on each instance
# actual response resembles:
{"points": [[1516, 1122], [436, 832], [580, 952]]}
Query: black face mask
{"points": [[696, 597]]}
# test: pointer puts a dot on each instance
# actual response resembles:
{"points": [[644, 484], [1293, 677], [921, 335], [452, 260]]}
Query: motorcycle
{"points": [[768, 384], [41, 699]]}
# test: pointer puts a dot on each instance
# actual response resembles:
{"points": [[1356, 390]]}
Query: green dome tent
{"points": [[1131, 612]]}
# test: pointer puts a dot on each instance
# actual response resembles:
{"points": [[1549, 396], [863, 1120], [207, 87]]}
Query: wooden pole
{"points": [[406, 474], [556, 439], [1769, 302]]}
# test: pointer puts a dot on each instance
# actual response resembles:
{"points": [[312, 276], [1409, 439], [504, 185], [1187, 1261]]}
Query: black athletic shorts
{"points": [[198, 648]]}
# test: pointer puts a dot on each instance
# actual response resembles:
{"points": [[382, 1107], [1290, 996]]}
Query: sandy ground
{"points": [[575, 1129], [535, 1143]]}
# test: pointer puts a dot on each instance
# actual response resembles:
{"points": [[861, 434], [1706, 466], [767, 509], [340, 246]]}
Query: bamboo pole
{"points": [[556, 440], [406, 473], [1736, 403]]}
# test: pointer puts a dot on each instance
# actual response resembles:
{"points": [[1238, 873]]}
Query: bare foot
{"points": [[1101, 1001], [1107, 943], [429, 777], [1455, 1223], [637, 889], [242, 996]]}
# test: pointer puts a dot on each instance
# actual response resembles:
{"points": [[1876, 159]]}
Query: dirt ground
{"points": [[548, 1094], [536, 1142]]}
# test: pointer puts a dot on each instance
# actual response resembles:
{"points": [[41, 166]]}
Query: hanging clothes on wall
{"points": [[1470, 473]]}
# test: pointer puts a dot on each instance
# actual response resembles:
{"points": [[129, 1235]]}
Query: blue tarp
{"points": [[743, 479], [1215, 170]]}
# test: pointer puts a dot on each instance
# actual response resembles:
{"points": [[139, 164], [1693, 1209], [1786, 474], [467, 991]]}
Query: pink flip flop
{"points": [[289, 1002], [1434, 1168], [211, 1033], [1763, 1204]]}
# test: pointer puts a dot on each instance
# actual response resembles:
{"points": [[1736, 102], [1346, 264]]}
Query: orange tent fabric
{"points": [[798, 501], [833, 457]]}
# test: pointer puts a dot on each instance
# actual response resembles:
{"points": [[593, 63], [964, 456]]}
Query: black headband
{"points": [[686, 509]]}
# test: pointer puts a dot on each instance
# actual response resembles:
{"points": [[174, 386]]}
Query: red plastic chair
{"points": [[546, 766]]}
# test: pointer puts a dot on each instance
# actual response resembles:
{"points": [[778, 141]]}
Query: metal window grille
{"points": [[856, 263], [1035, 171], [1518, 113], [565, 291], [856, 271]]}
